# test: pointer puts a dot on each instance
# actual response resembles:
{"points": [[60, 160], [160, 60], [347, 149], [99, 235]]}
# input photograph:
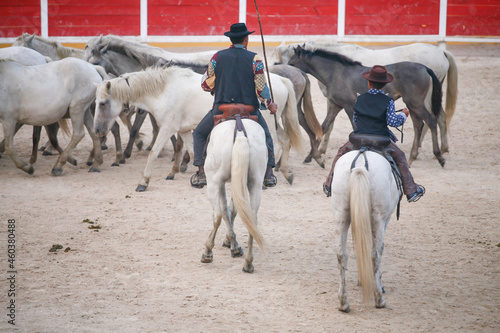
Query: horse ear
{"points": [[283, 43], [108, 86], [30, 39]]}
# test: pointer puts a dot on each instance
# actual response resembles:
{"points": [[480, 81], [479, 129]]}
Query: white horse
{"points": [[23, 55], [44, 94], [175, 99], [442, 62], [50, 48], [242, 161], [365, 198]]}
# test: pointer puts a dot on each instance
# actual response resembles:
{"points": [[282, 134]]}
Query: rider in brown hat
{"points": [[373, 112], [234, 75]]}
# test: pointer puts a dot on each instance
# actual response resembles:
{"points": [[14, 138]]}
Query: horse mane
{"points": [[150, 81], [337, 57], [145, 55], [62, 51]]}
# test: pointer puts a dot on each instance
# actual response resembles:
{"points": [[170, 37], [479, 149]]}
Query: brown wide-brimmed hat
{"points": [[238, 30], [378, 74]]}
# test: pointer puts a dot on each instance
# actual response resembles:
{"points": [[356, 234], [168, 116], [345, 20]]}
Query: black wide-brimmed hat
{"points": [[378, 74], [238, 30]]}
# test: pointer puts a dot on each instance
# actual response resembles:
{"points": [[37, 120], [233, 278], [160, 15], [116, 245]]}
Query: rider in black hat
{"points": [[234, 75], [373, 112]]}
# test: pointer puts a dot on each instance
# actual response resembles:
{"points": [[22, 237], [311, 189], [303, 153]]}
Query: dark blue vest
{"points": [[234, 77], [371, 114]]}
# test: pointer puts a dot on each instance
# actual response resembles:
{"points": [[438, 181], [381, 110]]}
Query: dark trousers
{"points": [[399, 157], [204, 128]]}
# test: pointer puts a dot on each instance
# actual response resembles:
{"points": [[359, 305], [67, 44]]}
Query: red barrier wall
{"points": [[392, 17], [19, 16], [278, 17], [473, 18]]}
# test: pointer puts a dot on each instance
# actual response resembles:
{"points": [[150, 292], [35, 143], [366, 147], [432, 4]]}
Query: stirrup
{"points": [[414, 197], [198, 182], [270, 181]]}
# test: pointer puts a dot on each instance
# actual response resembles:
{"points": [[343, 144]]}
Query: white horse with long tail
{"points": [[364, 195], [175, 99], [241, 159]]}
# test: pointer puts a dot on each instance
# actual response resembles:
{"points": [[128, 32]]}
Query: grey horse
{"points": [[342, 77]]}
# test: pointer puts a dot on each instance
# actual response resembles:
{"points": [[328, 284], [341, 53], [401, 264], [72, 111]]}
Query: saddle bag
{"points": [[230, 110]]}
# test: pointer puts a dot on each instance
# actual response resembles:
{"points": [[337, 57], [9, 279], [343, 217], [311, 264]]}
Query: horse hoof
{"points": [[183, 167], [115, 164], [47, 153], [127, 154], [104, 146], [380, 304], [345, 308], [141, 188], [441, 162], [237, 253], [290, 180], [206, 259], [30, 170], [248, 268], [72, 161], [169, 177], [56, 171], [308, 160], [89, 163], [122, 161], [139, 146], [226, 243], [94, 169]]}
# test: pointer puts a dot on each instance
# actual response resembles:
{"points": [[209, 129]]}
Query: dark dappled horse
{"points": [[343, 80]]}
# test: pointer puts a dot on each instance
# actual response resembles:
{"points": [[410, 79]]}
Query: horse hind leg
{"points": [[377, 268], [342, 258], [230, 241]]}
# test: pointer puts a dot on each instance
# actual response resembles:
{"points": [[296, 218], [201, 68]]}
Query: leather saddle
{"points": [[230, 111]]}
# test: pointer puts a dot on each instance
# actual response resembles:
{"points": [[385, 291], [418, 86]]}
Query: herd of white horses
{"points": [[43, 83]]}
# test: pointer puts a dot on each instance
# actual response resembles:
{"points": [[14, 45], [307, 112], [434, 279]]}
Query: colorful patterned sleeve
{"points": [[208, 79], [261, 87]]}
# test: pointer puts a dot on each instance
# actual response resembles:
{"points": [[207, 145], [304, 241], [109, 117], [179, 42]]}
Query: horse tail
{"points": [[240, 161], [291, 118], [311, 119], [64, 126], [437, 93], [451, 88], [360, 207]]}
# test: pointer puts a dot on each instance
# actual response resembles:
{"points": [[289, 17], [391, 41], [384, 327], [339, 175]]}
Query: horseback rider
{"points": [[234, 75], [373, 112]]}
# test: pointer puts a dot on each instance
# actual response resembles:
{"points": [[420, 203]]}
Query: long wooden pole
{"points": [[265, 59]]}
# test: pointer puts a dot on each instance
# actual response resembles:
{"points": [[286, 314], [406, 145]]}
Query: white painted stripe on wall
{"points": [[243, 11], [44, 16], [443, 11], [144, 19], [341, 20]]}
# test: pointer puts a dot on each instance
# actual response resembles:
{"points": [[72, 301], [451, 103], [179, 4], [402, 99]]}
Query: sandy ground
{"points": [[141, 271]]}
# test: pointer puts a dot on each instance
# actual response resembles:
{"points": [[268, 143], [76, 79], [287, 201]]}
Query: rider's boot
{"points": [[199, 179], [412, 190], [270, 179]]}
